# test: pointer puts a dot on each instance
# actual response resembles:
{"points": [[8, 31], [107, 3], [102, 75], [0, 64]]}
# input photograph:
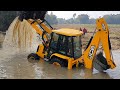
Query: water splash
{"points": [[21, 37]]}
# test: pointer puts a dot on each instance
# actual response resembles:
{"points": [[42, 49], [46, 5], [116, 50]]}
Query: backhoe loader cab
{"points": [[66, 42]]}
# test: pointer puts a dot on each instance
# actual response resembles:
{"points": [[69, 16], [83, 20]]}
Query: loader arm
{"points": [[40, 27], [37, 21], [102, 35]]}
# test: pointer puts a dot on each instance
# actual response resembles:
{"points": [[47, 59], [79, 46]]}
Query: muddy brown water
{"points": [[16, 66]]}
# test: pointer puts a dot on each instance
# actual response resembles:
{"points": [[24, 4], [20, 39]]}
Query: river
{"points": [[16, 66]]}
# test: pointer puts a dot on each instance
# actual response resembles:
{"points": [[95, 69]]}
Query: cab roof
{"points": [[68, 32]]}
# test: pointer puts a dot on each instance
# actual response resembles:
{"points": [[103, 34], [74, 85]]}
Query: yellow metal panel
{"points": [[104, 39], [40, 51], [68, 32], [90, 52], [61, 56], [71, 61]]}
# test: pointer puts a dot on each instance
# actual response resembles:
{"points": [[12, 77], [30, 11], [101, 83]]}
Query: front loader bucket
{"points": [[32, 15]]}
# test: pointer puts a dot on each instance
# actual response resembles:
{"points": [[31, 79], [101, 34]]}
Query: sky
{"points": [[91, 14]]}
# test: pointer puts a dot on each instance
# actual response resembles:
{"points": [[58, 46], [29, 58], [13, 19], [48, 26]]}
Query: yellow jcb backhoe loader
{"points": [[63, 47]]}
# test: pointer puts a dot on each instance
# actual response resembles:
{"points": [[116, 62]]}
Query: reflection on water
{"points": [[0, 45], [16, 66], [115, 73]]}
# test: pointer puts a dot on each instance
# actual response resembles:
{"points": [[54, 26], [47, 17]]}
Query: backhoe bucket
{"points": [[32, 15], [100, 63]]}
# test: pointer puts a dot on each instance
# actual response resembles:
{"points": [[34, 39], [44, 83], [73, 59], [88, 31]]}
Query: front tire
{"points": [[58, 62], [33, 56]]}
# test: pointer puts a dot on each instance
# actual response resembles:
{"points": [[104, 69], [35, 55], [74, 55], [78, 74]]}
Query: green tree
{"points": [[52, 19], [6, 18], [74, 15], [92, 21], [83, 19], [61, 21], [112, 19], [70, 21]]}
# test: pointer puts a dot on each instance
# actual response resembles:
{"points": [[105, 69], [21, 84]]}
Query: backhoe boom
{"points": [[102, 35]]}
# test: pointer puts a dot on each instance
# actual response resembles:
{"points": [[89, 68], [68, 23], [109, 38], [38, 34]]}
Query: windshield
{"points": [[65, 45], [77, 46]]}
